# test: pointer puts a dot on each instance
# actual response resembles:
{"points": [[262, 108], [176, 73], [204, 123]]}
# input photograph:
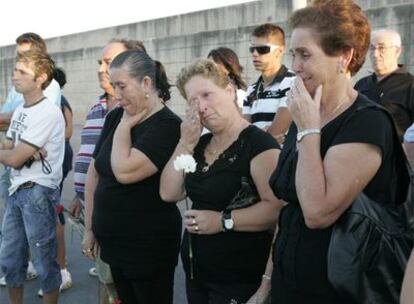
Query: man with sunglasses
{"points": [[390, 85], [265, 103]]}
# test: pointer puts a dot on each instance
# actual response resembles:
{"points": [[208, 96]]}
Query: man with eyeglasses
{"points": [[390, 85], [265, 103]]}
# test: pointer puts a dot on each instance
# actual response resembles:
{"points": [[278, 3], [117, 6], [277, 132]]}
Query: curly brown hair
{"points": [[340, 25]]}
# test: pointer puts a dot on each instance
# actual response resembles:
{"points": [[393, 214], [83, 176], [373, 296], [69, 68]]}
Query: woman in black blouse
{"points": [[138, 233], [332, 152], [229, 243]]}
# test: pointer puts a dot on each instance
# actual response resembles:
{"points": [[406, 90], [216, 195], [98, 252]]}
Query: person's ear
{"points": [[231, 90], [398, 51], [42, 78], [345, 60], [146, 84]]}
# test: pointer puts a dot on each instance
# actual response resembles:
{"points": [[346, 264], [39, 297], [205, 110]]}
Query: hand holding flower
{"points": [[186, 163]]}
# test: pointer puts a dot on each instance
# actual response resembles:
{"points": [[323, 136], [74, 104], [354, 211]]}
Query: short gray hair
{"points": [[394, 35]]}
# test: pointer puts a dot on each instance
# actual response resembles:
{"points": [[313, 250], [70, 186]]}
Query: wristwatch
{"points": [[305, 132], [227, 221]]}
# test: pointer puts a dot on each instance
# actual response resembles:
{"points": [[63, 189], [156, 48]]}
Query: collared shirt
{"points": [[395, 92], [262, 103], [89, 137]]}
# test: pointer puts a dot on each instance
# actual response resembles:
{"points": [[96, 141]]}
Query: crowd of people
{"points": [[298, 183]]}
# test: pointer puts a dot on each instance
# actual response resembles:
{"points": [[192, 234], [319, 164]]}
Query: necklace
{"points": [[212, 153], [337, 109]]}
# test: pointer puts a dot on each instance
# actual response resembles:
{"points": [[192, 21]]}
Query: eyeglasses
{"points": [[263, 49], [381, 48]]}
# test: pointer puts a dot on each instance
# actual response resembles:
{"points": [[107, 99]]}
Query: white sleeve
{"points": [[241, 95], [53, 92], [247, 109], [409, 134]]}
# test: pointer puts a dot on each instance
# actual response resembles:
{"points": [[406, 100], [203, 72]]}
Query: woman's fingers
{"points": [[318, 95]]}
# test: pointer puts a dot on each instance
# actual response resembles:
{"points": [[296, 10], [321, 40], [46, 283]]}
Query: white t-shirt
{"points": [[241, 95], [409, 134], [42, 126]]}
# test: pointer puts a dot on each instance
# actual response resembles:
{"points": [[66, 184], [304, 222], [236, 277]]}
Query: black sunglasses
{"points": [[263, 49]]}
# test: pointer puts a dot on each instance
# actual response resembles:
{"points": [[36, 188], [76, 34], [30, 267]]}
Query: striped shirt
{"points": [[89, 137], [262, 103]]}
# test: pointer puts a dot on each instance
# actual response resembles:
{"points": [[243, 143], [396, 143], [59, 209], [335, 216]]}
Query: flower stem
{"points": [[190, 247]]}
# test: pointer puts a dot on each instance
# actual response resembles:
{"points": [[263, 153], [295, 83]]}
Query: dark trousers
{"points": [[219, 292], [136, 289]]}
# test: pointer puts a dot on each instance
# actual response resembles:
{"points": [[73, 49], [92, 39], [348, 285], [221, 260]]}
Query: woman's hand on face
{"points": [[89, 245], [191, 126], [303, 108], [203, 221], [132, 120]]}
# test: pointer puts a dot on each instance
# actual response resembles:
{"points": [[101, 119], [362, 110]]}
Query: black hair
{"points": [[270, 31], [139, 65], [60, 76], [228, 58]]}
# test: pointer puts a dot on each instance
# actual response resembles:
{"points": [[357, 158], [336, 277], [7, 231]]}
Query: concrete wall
{"points": [[177, 40]]}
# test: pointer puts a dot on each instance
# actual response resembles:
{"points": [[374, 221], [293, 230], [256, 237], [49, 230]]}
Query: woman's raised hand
{"points": [[191, 127], [133, 120], [303, 108]]}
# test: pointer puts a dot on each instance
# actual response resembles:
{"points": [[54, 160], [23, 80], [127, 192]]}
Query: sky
{"points": [[51, 18]]}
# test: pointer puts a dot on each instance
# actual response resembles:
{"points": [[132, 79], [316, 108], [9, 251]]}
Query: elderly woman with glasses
{"points": [[228, 229]]}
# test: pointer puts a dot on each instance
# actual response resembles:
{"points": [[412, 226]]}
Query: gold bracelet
{"points": [[266, 277]]}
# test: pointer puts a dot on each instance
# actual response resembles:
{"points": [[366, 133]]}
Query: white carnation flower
{"points": [[185, 162]]}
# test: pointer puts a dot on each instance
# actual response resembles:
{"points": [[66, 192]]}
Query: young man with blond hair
{"points": [[30, 217]]}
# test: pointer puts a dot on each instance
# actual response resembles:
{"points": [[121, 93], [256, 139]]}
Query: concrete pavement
{"points": [[85, 287]]}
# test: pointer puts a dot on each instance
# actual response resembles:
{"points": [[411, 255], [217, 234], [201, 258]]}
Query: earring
{"points": [[147, 95], [341, 70]]}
